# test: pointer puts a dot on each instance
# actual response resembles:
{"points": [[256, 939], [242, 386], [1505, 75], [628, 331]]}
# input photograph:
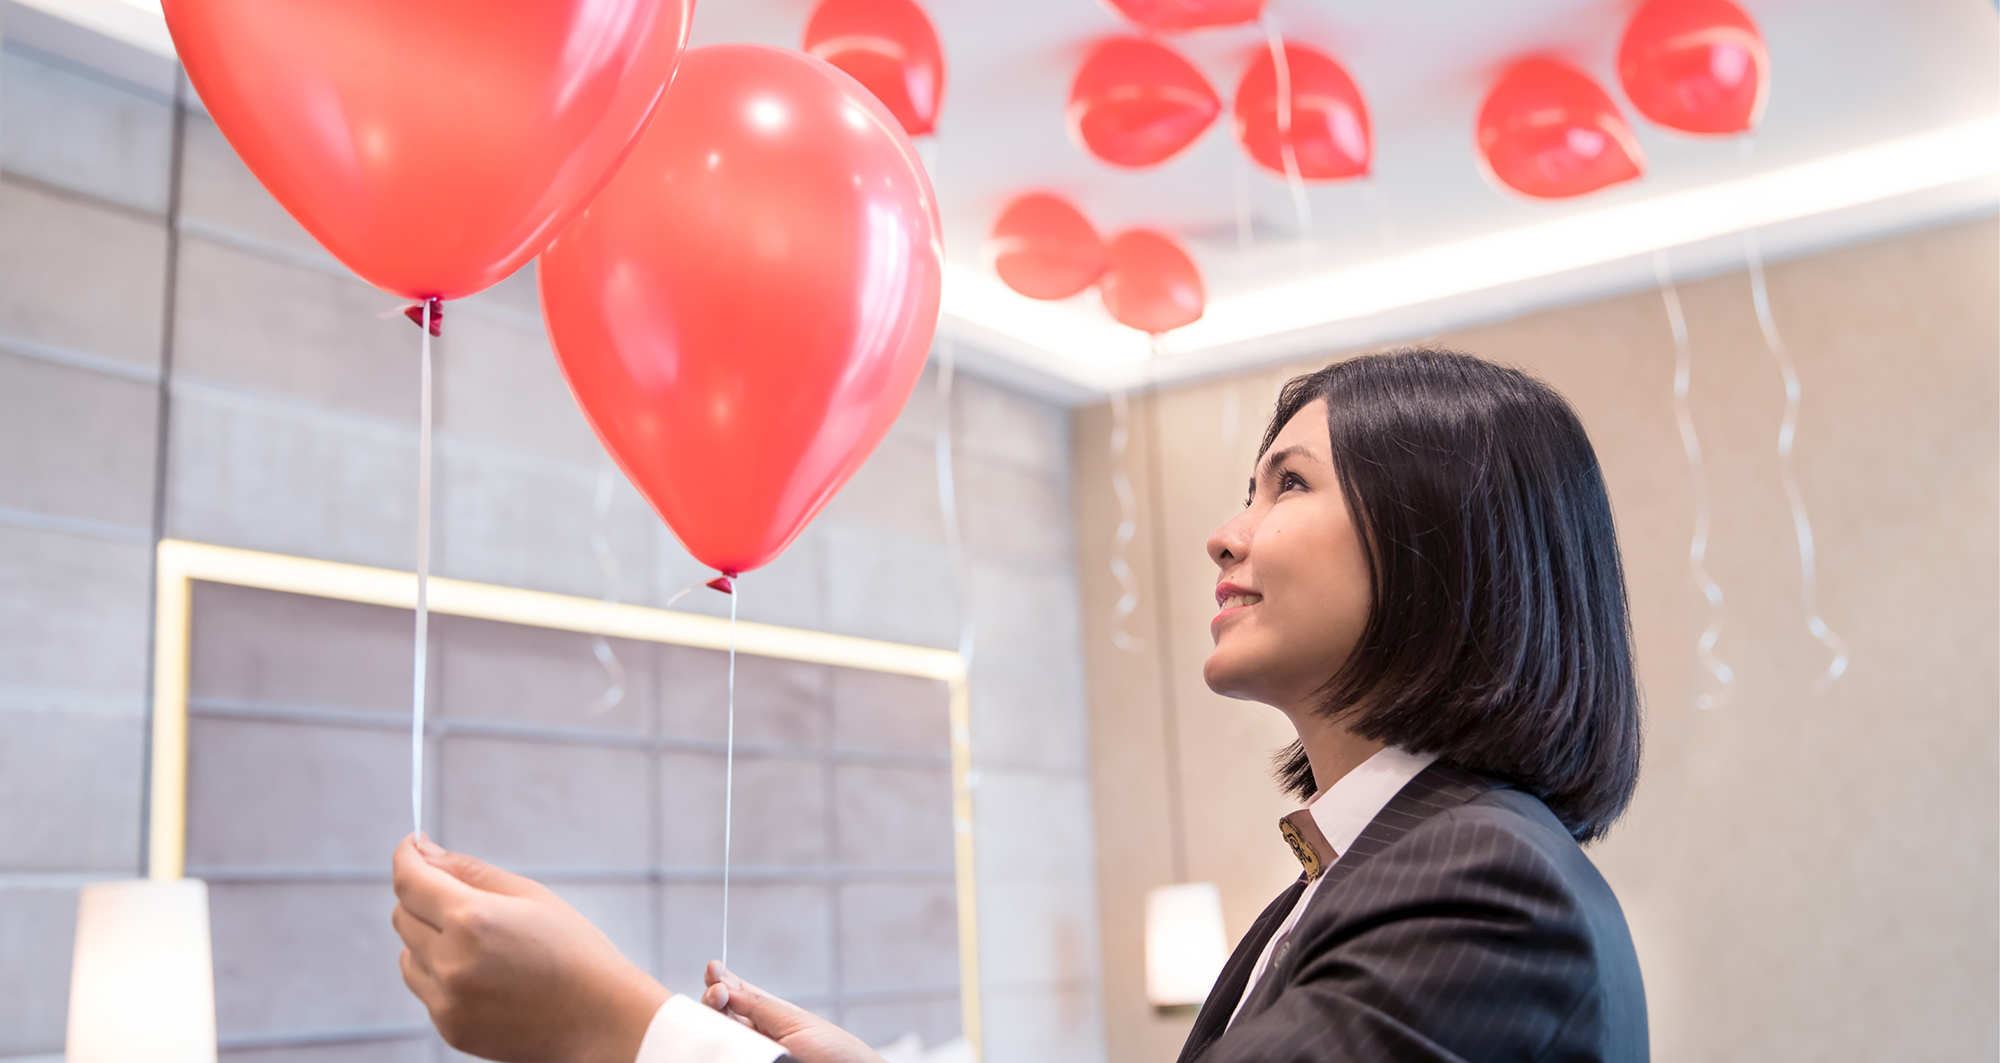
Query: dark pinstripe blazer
{"points": [[1463, 924]]}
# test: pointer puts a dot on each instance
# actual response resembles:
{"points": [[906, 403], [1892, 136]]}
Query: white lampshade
{"points": [[1186, 945], [142, 987]]}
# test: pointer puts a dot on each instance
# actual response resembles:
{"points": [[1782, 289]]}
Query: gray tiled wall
{"points": [[844, 888], [292, 430]]}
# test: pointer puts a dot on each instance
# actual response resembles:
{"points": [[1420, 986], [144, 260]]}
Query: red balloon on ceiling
{"points": [[1149, 283], [745, 308], [1045, 248], [1549, 131], [1330, 137], [433, 146], [1172, 16], [889, 46], [1136, 102], [1698, 66]]}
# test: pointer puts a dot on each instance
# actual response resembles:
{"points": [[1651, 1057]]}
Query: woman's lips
{"points": [[1231, 605]]}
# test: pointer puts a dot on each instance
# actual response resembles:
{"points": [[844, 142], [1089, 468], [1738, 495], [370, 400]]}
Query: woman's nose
{"points": [[1230, 543]]}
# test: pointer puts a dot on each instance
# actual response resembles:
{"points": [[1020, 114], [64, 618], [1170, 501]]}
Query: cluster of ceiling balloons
{"points": [[1545, 128], [1044, 248]]}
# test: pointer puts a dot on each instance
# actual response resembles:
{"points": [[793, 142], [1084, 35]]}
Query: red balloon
{"points": [[1698, 66], [1172, 16], [889, 46], [434, 146], [1135, 102], [746, 306], [1329, 136], [1549, 131], [1151, 284], [1045, 248]]}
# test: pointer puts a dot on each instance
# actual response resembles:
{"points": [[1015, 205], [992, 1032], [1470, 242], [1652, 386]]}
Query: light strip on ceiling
{"points": [[1073, 330]]}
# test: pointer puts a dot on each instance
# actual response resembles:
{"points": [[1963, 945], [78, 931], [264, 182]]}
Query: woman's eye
{"points": [[1289, 481]]}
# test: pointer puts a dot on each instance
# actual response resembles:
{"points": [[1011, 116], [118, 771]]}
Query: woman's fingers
{"points": [[481, 875], [773, 1017], [420, 981], [427, 892], [414, 931]]}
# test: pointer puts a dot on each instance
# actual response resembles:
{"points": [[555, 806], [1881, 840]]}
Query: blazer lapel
{"points": [[1221, 1002], [1433, 790]]}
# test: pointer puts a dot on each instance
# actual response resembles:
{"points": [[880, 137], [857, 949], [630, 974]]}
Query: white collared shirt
{"points": [[1341, 812]]}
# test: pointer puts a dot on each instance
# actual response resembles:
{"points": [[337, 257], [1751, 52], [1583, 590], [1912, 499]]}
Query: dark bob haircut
{"points": [[1497, 634]]}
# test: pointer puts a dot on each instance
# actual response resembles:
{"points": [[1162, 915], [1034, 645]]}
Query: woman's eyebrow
{"points": [[1275, 457]]}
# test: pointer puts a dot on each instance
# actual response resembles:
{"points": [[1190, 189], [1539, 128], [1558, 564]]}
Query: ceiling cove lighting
{"points": [[142, 984], [138, 23], [1076, 332]]}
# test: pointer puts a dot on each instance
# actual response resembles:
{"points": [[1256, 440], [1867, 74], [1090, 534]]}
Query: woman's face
{"points": [[1293, 590]]}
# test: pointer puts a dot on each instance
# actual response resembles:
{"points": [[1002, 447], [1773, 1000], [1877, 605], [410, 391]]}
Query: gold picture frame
{"points": [[181, 563]]}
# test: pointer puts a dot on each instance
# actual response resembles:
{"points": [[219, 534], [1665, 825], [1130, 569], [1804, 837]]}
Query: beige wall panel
{"points": [[1809, 876]]}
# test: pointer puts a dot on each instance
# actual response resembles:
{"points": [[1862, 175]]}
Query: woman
{"points": [[1424, 579]]}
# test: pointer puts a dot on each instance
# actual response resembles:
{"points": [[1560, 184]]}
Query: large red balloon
{"points": [[1549, 131], [1136, 102], [1045, 248], [434, 146], [1329, 122], [889, 46], [1151, 284], [1698, 66], [746, 306], [1172, 16]]}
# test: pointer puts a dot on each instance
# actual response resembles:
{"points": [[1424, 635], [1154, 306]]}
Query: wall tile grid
{"points": [[292, 430], [82, 180], [843, 892]]}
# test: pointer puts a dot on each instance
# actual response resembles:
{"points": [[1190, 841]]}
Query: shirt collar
{"points": [[1328, 825]]}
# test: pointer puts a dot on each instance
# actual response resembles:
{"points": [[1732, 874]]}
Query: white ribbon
{"points": [[1128, 526], [1698, 545], [1801, 522], [607, 562], [422, 650], [1294, 180], [729, 767]]}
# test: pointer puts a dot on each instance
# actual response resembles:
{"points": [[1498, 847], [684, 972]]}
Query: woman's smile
{"points": [[1231, 599]]}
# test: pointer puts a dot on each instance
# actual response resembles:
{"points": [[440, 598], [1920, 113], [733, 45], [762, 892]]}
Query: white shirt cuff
{"points": [[685, 1030]]}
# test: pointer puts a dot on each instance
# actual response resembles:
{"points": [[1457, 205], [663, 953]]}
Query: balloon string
{"points": [[729, 775], [1243, 220], [422, 647], [947, 482], [1801, 522], [1698, 472], [600, 544], [1128, 526], [1293, 178]]}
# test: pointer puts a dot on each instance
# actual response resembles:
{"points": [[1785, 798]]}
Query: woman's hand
{"points": [[510, 972], [806, 1037]]}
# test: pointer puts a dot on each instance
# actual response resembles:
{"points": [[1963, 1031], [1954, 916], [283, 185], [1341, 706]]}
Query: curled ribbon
{"points": [[1691, 443], [1801, 521], [1128, 527], [1294, 179]]}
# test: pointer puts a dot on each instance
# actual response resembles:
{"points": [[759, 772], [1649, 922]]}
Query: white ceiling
{"points": [[1425, 243]]}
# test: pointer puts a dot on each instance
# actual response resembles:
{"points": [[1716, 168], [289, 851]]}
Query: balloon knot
{"points": [[722, 583], [415, 312]]}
